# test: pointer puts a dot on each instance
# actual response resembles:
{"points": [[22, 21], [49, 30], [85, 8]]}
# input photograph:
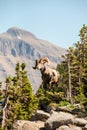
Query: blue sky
{"points": [[57, 21]]}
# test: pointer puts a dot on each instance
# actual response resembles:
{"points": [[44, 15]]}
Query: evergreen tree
{"points": [[1, 105], [20, 102], [74, 66]]}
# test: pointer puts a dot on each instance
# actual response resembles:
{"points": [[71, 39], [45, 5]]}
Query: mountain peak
{"points": [[16, 31], [20, 45]]}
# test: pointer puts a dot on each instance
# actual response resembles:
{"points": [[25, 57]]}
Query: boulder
{"points": [[28, 125], [40, 115], [85, 127], [80, 121], [85, 117], [73, 127], [63, 127], [57, 119], [51, 107], [70, 127]]}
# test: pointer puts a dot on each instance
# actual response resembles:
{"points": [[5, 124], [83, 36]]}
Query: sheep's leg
{"points": [[50, 83], [44, 88], [53, 85]]}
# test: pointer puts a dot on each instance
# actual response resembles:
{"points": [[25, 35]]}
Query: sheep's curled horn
{"points": [[35, 64], [44, 60]]}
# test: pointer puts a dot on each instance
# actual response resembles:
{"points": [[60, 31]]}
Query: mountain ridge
{"points": [[20, 45]]}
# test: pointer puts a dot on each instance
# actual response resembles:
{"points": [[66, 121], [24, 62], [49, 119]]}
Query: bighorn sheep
{"points": [[49, 76]]}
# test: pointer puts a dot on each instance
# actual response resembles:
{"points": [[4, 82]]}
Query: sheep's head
{"points": [[40, 63]]}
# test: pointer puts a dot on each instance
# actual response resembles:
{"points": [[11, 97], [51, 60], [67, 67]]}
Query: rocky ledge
{"points": [[53, 121]]}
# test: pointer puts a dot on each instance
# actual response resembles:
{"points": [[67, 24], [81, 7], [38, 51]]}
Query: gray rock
{"points": [[85, 127], [57, 119], [64, 127], [28, 125], [73, 127], [40, 115], [51, 107], [80, 121], [70, 127]]}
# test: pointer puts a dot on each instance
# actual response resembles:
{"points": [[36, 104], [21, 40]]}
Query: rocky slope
{"points": [[56, 120], [18, 45]]}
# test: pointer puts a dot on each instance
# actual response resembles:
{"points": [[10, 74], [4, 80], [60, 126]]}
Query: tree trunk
{"points": [[4, 114], [70, 86]]}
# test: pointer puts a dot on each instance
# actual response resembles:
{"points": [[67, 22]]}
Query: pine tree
{"points": [[7, 114], [26, 100], [65, 70], [83, 37], [1, 105], [74, 66], [20, 102]]}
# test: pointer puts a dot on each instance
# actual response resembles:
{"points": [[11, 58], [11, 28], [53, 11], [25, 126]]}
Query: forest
{"points": [[18, 102]]}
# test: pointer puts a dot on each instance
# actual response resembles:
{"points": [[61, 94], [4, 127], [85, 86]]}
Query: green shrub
{"points": [[63, 103]]}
